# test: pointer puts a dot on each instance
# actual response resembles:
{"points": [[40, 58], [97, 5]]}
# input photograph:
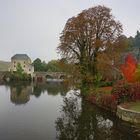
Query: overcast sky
{"points": [[34, 26]]}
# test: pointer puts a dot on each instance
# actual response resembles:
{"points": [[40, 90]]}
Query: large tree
{"points": [[39, 65], [88, 34], [134, 45], [137, 45]]}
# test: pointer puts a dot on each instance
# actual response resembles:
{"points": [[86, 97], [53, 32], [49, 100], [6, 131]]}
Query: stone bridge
{"points": [[44, 76], [3, 74], [39, 76]]}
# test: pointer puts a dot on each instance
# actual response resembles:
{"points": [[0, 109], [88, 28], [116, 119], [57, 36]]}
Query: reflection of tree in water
{"points": [[88, 123], [20, 92], [76, 122], [37, 91], [51, 88], [67, 124], [57, 88]]}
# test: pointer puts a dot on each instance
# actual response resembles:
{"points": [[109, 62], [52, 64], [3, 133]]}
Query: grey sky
{"points": [[34, 26]]}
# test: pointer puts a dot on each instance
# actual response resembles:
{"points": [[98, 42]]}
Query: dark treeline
{"points": [[134, 45]]}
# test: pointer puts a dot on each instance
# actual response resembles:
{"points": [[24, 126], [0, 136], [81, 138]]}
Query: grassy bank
{"points": [[135, 106]]}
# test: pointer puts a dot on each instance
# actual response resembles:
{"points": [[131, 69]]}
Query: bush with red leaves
{"points": [[121, 92], [135, 91], [108, 101], [129, 68], [103, 100], [126, 92]]}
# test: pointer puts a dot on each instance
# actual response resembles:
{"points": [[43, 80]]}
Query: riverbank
{"points": [[131, 115], [128, 115], [128, 111], [120, 93], [103, 98]]}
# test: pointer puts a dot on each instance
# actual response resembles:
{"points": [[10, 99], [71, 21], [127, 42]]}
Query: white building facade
{"points": [[25, 62]]}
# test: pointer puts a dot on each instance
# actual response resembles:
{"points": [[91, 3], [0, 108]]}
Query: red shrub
{"points": [[121, 91], [124, 92], [106, 101], [135, 91], [128, 68], [92, 98], [109, 102]]}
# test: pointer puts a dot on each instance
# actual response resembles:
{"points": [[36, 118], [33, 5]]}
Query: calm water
{"points": [[53, 111]]}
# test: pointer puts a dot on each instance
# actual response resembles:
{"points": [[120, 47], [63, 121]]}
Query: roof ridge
{"points": [[20, 56]]}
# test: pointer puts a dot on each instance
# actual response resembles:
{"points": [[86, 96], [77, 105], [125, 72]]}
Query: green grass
{"points": [[135, 106], [4, 65]]}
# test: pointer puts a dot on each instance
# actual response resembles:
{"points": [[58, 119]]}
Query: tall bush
{"points": [[126, 92], [128, 68]]}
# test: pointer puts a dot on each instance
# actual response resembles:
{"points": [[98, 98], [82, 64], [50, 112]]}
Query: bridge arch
{"points": [[4, 76], [43, 76], [63, 76], [49, 76]]}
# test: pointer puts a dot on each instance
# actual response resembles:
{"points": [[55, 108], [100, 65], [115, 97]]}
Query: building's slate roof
{"points": [[20, 56]]}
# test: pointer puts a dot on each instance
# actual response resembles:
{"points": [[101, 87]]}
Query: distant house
{"points": [[25, 62]]}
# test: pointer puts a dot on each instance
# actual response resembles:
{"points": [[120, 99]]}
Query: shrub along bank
{"points": [[20, 77], [121, 92]]}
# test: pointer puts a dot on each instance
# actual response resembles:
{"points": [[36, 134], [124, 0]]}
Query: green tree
{"points": [[137, 40], [44, 66], [53, 66], [39, 65], [130, 42], [137, 44], [86, 35], [134, 45], [19, 74], [19, 69]]}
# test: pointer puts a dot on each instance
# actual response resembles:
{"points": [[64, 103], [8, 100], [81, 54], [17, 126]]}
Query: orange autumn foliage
{"points": [[128, 68]]}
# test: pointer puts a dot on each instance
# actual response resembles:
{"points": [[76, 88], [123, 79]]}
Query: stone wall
{"points": [[128, 115]]}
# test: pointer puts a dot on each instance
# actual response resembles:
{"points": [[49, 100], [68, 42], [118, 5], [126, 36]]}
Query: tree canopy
{"points": [[19, 69], [134, 45], [39, 65], [51, 66], [88, 35]]}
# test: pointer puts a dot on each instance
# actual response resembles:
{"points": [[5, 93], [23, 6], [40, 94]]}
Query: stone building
{"points": [[25, 62]]}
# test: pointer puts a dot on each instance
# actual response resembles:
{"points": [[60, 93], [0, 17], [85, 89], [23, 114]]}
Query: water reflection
{"points": [[67, 124], [74, 122], [57, 88], [20, 92], [49, 117], [86, 122]]}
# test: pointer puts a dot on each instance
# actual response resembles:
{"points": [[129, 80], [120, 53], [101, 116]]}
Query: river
{"points": [[53, 111]]}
